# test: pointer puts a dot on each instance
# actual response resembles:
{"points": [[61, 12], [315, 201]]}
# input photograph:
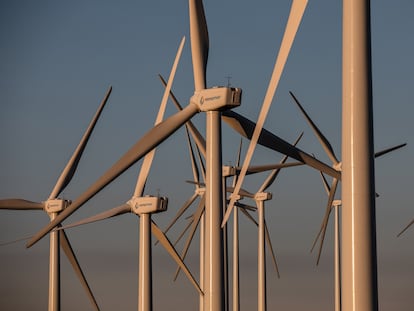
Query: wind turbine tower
{"points": [[359, 259]]}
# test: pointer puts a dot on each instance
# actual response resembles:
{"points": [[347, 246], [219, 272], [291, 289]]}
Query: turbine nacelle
{"points": [[56, 205], [229, 171], [200, 191], [217, 98], [263, 196], [148, 205]]}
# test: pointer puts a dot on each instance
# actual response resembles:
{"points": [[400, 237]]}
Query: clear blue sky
{"points": [[58, 58]]}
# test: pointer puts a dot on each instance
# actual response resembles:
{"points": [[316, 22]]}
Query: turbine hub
{"points": [[338, 166], [56, 205]]}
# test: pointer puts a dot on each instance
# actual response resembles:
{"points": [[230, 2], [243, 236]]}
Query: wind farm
{"points": [[43, 117]]}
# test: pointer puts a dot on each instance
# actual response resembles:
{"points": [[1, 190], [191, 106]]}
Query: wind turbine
{"points": [[332, 204], [144, 207], [260, 197], [263, 235], [336, 204], [53, 206], [336, 163]]}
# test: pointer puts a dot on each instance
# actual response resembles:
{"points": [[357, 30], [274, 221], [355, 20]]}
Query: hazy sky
{"points": [[58, 58]]}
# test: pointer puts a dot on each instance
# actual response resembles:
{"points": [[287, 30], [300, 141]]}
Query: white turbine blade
{"points": [[326, 218], [194, 166], [245, 127], [20, 204], [328, 191], [295, 17], [181, 211], [269, 167], [268, 240], [116, 211], [406, 227], [148, 142], [250, 217], [199, 43], [325, 183], [199, 184], [198, 138], [16, 240], [239, 153], [322, 139], [269, 243], [320, 230], [196, 220], [200, 160], [319, 235], [190, 221], [67, 248], [146, 165], [245, 206], [237, 162], [69, 170], [388, 150], [171, 250], [273, 175]]}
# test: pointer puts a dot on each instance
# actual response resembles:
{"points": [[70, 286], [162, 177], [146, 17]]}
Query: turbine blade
{"points": [[149, 141], [326, 218], [198, 138], [269, 167], [406, 227], [194, 225], [295, 17], [199, 43], [385, 151], [200, 184], [196, 173], [273, 175], [239, 152], [328, 191], [191, 220], [116, 211], [325, 183], [245, 127], [146, 165], [250, 217], [67, 248], [245, 206], [269, 243], [171, 250], [16, 240], [268, 240], [322, 139], [20, 204], [200, 160], [69, 170], [181, 211], [242, 192], [237, 163]]}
